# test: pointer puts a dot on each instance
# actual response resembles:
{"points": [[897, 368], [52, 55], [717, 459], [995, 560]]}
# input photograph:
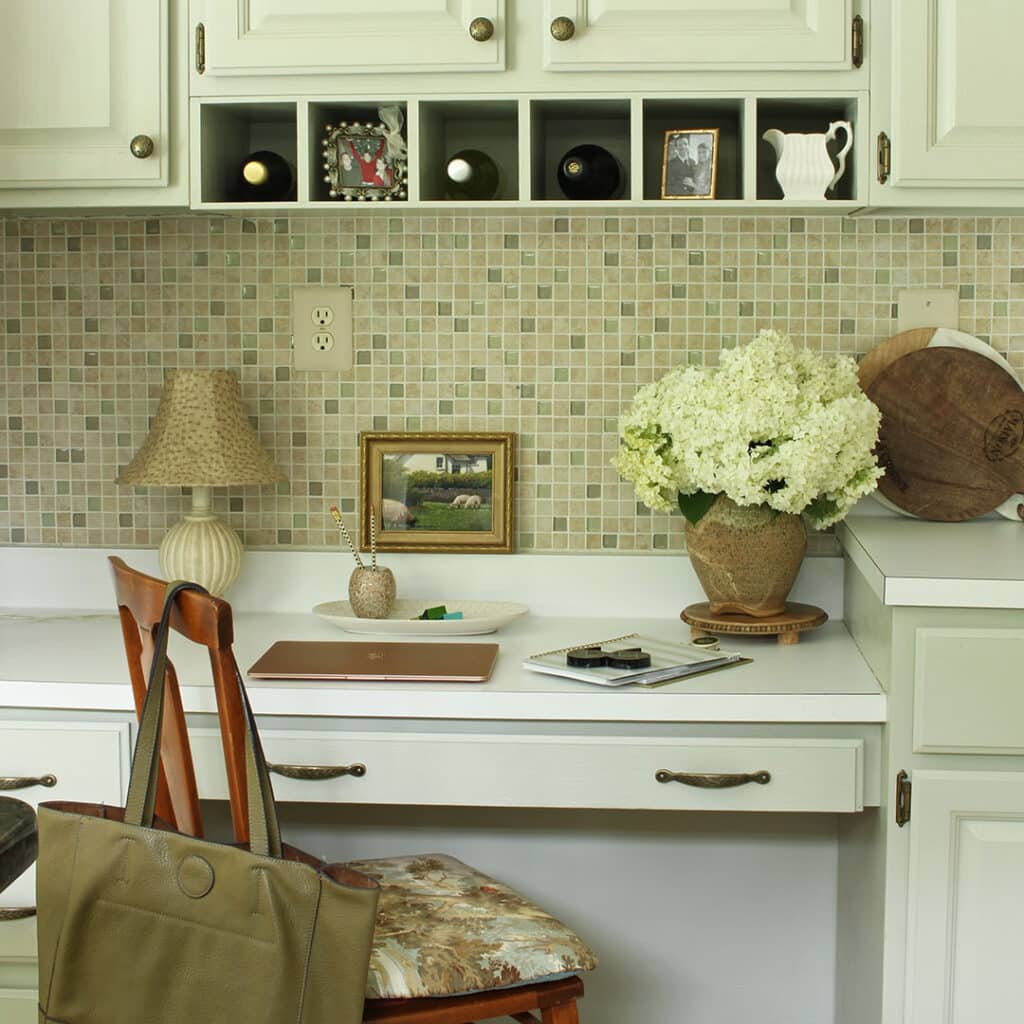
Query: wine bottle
{"points": [[471, 174], [265, 177], [589, 172]]}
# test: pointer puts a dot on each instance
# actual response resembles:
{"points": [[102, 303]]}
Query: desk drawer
{"points": [[554, 771], [969, 691], [87, 760]]}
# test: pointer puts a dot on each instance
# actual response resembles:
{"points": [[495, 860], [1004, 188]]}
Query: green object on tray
{"points": [[437, 612]]}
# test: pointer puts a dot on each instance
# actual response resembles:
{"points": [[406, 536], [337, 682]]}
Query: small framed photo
{"points": [[362, 163], [689, 168], [437, 492]]}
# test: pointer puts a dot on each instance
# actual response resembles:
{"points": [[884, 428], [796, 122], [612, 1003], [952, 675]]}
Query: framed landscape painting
{"points": [[437, 492]]}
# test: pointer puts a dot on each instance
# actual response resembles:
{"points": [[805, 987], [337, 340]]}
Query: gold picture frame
{"points": [[411, 482], [689, 165]]}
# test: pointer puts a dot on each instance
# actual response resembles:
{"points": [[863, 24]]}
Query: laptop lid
{"points": [[381, 661]]}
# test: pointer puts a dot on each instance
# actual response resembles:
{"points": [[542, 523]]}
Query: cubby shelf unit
{"points": [[526, 137]]}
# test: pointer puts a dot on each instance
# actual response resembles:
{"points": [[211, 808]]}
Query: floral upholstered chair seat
{"points": [[445, 929]]}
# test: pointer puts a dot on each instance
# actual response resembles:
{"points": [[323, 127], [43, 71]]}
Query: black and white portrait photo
{"points": [[689, 164]]}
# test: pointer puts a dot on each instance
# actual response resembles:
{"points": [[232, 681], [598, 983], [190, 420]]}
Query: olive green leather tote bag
{"points": [[140, 924]]}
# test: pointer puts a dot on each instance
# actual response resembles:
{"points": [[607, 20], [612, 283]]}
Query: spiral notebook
{"points": [[670, 661]]}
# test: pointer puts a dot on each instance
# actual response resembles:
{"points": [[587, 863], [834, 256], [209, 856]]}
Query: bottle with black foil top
{"points": [[265, 177], [471, 175], [589, 172]]}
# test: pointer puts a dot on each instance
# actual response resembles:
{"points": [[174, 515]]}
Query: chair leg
{"points": [[565, 1013]]}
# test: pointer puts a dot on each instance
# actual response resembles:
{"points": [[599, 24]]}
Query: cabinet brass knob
{"points": [[563, 29], [481, 29], [141, 146]]}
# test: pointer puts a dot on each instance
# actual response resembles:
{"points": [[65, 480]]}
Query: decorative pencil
{"points": [[373, 541], [344, 529]]}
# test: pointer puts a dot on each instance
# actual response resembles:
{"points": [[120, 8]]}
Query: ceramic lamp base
{"points": [[202, 548]]}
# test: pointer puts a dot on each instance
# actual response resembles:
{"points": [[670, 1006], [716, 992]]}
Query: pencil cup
{"points": [[371, 592]]}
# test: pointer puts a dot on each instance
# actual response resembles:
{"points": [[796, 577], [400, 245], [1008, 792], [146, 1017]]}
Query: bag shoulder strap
{"points": [[264, 830]]}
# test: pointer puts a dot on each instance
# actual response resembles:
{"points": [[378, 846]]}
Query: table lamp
{"points": [[201, 438]]}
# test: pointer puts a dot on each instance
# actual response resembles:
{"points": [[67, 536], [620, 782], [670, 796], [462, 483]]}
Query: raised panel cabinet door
{"points": [[966, 899], [699, 35], [330, 37], [81, 79], [957, 116]]}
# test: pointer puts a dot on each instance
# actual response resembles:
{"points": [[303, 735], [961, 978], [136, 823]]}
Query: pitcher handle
{"points": [[833, 128]]}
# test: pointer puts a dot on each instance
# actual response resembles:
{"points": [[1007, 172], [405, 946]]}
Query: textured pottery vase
{"points": [[371, 592], [746, 557]]}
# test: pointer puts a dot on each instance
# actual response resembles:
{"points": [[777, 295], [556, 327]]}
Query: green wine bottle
{"points": [[471, 175]]}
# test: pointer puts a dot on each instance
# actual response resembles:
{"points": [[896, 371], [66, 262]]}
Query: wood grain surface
{"points": [[885, 353], [952, 437]]}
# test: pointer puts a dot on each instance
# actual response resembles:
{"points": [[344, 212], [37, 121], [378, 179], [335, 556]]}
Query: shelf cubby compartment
{"points": [[664, 115], [556, 126], [808, 116], [334, 112], [448, 126], [229, 132]]}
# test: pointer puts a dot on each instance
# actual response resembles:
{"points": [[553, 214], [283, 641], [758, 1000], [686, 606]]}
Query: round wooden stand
{"points": [[787, 627]]}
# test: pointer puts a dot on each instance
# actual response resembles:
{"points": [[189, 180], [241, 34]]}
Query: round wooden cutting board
{"points": [[885, 353], [952, 437]]}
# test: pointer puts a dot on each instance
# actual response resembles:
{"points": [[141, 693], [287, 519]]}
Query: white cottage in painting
{"points": [[440, 462]]}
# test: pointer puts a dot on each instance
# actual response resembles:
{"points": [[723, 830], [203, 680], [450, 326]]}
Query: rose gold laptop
{"points": [[381, 661]]}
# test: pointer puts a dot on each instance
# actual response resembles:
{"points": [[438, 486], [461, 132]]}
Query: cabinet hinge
{"points": [[200, 47], [902, 798], [857, 32], [884, 158]]}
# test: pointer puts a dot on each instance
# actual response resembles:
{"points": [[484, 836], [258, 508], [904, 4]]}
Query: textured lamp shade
{"points": [[201, 438]]}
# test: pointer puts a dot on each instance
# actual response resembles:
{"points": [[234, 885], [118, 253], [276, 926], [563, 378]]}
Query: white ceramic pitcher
{"points": [[804, 168]]}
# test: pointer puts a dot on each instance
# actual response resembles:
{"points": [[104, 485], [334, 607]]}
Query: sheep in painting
{"points": [[473, 501], [459, 501], [395, 515]]}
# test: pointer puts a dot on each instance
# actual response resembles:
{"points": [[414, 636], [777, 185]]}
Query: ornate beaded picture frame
{"points": [[365, 161]]}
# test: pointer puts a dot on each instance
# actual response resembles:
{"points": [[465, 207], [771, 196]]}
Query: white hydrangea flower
{"points": [[773, 425]]}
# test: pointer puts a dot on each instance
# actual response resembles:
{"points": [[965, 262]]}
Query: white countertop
{"points": [[910, 562], [52, 659]]}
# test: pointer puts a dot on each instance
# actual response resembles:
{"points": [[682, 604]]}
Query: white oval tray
{"points": [[477, 617]]}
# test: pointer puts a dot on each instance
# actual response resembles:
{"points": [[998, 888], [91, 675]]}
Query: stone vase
{"points": [[371, 592], [746, 557]]}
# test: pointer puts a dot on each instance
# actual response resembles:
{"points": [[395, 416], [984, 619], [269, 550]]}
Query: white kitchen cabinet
{"points": [[966, 906], [708, 35], [89, 117], [936, 610], [341, 37], [947, 79]]}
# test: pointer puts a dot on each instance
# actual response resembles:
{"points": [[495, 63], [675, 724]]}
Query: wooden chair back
{"points": [[203, 620]]}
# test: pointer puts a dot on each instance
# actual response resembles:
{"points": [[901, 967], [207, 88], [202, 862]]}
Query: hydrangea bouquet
{"points": [[773, 426]]}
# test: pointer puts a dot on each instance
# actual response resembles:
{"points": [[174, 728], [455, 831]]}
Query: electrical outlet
{"points": [[921, 307], [322, 328]]}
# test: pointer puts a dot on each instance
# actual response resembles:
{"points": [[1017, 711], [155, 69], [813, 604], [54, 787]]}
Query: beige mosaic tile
{"points": [[541, 323]]}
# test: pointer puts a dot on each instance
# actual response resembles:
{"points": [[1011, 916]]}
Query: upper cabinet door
{"points": [[330, 37], [81, 79], [957, 115], [698, 35]]}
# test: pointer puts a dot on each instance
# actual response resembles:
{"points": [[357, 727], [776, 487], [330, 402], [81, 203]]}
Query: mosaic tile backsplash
{"points": [[540, 323]]}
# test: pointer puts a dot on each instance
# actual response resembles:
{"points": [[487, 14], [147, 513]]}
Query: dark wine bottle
{"points": [[265, 177], [470, 174], [589, 172]]}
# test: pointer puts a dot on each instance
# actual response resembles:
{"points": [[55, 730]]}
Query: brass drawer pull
{"points": [[27, 781], [16, 913], [563, 29], [708, 780], [316, 772]]}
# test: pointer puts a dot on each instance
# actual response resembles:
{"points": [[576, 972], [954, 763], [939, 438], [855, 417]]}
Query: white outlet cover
{"points": [[922, 307], [308, 355]]}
